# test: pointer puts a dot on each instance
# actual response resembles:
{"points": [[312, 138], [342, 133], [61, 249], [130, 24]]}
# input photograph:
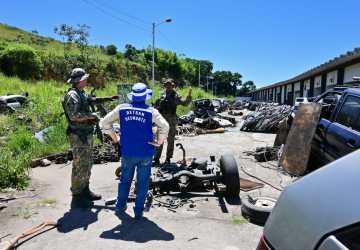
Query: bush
{"points": [[111, 50], [22, 61]]}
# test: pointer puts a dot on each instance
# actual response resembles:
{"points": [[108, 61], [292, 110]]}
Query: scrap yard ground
{"points": [[214, 223]]}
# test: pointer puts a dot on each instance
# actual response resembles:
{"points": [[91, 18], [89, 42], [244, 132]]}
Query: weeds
{"points": [[47, 202], [238, 220], [23, 212]]}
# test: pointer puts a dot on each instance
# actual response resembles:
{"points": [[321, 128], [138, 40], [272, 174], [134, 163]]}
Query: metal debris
{"points": [[265, 118], [263, 154]]}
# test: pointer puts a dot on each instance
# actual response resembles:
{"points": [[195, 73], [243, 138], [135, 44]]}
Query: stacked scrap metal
{"points": [[263, 154], [265, 118], [205, 117]]}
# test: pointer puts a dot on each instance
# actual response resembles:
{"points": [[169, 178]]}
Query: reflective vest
{"points": [[136, 130]]}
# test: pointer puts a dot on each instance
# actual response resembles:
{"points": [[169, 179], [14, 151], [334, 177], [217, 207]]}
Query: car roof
{"points": [[317, 204], [7, 97], [355, 91]]}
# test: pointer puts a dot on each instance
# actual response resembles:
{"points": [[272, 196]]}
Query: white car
{"points": [[13, 101], [319, 211], [299, 100]]}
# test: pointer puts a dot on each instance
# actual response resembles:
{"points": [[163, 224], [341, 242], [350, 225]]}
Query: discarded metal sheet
{"points": [[296, 152], [248, 185]]}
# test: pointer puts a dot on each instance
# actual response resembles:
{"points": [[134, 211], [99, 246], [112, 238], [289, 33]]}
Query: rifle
{"points": [[96, 104]]}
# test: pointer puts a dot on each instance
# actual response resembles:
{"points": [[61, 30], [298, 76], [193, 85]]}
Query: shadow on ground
{"points": [[78, 218], [140, 231]]}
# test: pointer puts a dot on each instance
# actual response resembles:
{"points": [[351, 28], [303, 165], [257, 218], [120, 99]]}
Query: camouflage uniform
{"points": [[167, 105], [80, 135]]}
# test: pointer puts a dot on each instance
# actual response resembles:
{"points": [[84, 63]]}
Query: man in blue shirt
{"points": [[137, 143]]}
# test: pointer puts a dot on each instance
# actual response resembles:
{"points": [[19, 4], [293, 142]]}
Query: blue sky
{"points": [[264, 40]]}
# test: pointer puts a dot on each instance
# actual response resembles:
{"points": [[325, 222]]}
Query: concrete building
{"points": [[338, 71]]}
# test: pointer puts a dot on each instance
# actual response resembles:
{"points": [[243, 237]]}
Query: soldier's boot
{"points": [[90, 195], [80, 201], [168, 160]]}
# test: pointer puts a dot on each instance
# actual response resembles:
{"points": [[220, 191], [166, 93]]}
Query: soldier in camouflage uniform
{"points": [[167, 105], [80, 131]]}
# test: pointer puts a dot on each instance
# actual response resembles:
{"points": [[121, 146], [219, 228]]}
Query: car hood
{"points": [[315, 205]]}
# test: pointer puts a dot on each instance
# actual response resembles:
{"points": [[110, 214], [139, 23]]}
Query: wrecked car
{"points": [[220, 105], [338, 131], [204, 116], [318, 211], [12, 102]]}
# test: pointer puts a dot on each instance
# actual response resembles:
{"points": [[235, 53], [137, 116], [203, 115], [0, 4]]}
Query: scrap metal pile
{"points": [[264, 154], [204, 119], [265, 118], [102, 153]]}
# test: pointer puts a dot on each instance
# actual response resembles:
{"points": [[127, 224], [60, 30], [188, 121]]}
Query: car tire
{"points": [[257, 210], [230, 175]]}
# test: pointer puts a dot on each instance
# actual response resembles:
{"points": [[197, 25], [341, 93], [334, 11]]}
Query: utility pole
{"points": [[153, 57], [153, 49], [212, 86], [199, 74], [207, 84]]}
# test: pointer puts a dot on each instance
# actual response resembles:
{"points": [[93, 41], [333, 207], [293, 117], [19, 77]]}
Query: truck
{"points": [[338, 131]]}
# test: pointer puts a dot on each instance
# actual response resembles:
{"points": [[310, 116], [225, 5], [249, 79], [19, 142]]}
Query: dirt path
{"points": [[209, 225]]}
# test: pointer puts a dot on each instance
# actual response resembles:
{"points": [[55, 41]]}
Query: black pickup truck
{"points": [[338, 132]]}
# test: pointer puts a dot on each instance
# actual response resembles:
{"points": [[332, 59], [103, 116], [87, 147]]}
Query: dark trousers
{"points": [[172, 120]]}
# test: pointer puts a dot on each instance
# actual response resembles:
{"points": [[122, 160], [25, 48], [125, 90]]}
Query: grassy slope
{"points": [[9, 34]]}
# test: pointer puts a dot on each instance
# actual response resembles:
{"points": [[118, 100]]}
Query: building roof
{"points": [[327, 66]]}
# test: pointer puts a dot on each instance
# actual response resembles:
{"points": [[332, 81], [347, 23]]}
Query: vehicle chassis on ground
{"points": [[195, 174]]}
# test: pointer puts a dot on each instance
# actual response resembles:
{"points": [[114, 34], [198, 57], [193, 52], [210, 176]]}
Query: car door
{"points": [[319, 141], [343, 134]]}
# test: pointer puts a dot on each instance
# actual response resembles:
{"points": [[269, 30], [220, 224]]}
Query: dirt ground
{"points": [[213, 223]]}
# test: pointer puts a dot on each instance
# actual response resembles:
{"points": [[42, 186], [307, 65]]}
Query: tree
{"points": [[81, 39], [130, 52], [67, 33], [246, 88], [226, 82], [111, 50], [79, 35]]}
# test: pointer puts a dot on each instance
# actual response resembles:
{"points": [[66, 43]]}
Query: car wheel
{"points": [[258, 209], [230, 175]]}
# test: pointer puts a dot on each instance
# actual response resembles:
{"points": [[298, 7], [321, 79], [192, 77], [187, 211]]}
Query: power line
{"points": [[168, 40], [106, 12], [124, 13]]}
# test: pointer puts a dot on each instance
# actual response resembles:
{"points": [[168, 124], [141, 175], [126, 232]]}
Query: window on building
{"points": [[349, 113]]}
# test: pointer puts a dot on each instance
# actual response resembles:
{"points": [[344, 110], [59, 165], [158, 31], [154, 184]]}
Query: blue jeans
{"points": [[143, 171]]}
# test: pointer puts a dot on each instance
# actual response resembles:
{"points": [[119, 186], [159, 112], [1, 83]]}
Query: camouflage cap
{"points": [[169, 81], [77, 75]]}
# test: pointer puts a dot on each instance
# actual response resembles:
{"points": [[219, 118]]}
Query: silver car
{"points": [[319, 211]]}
